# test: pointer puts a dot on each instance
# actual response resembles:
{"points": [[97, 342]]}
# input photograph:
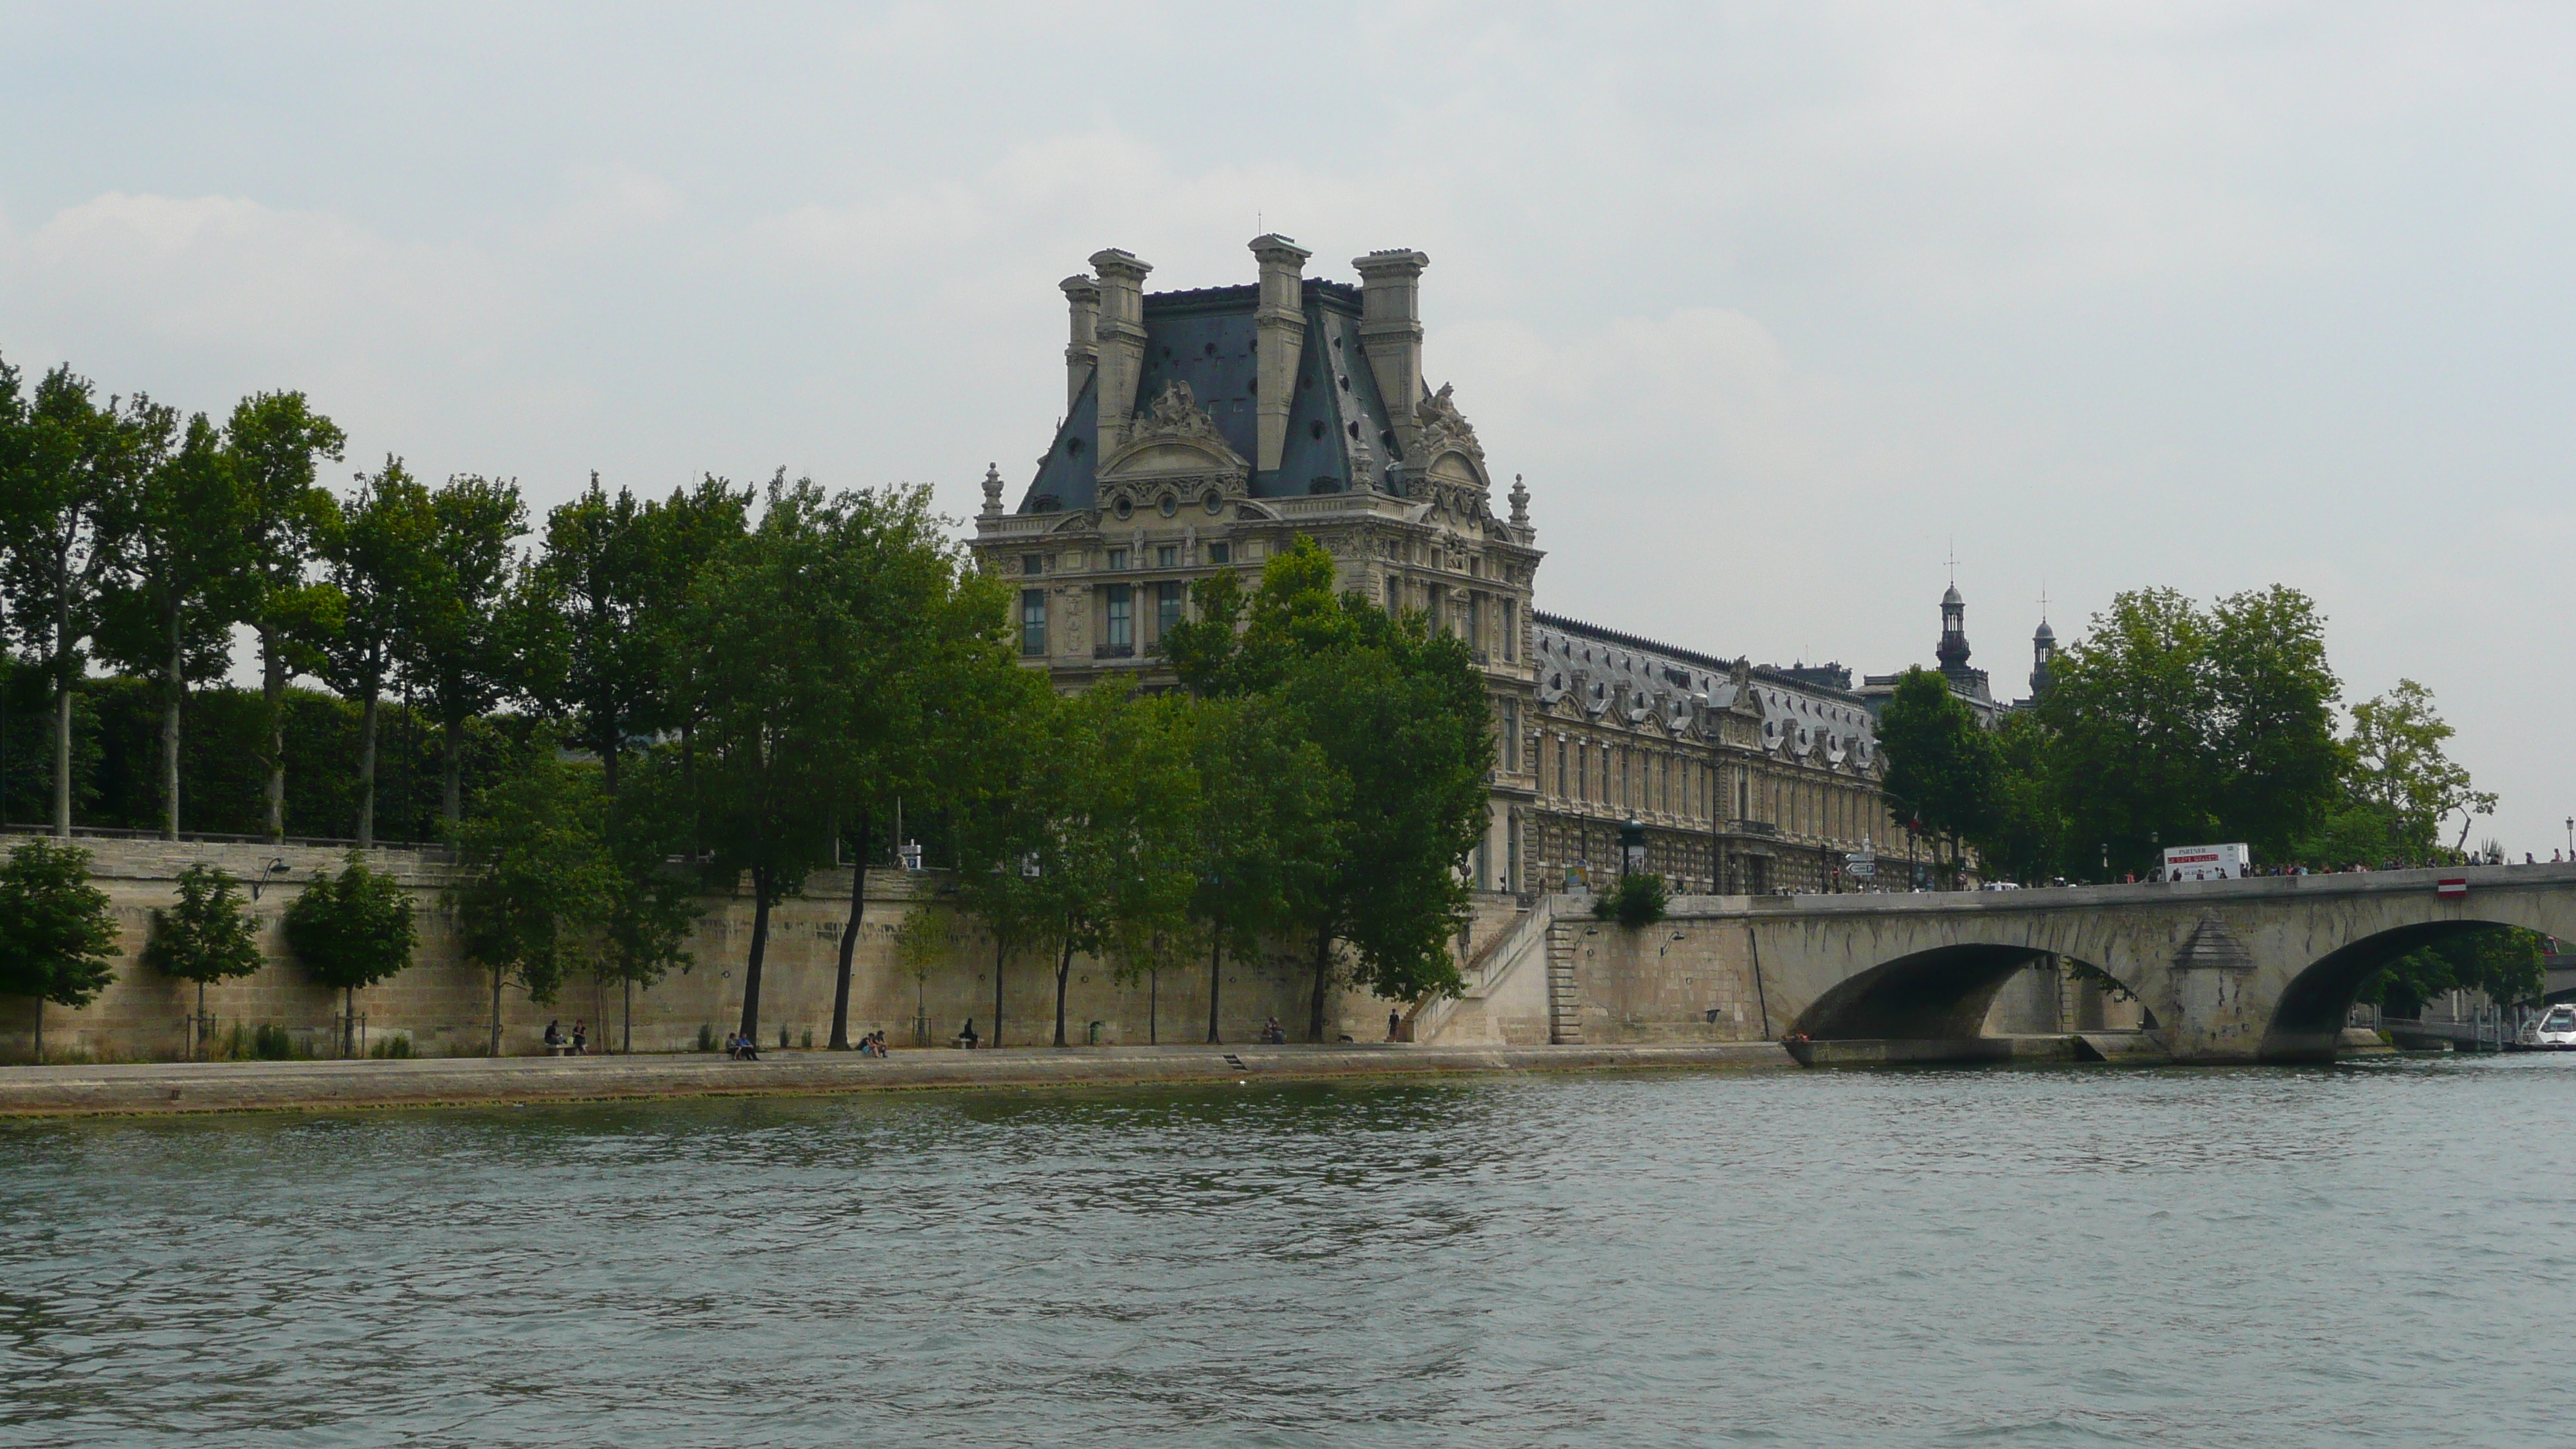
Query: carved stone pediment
{"points": [[1174, 464], [1173, 435]]}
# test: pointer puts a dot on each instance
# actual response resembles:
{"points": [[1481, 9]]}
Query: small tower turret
{"points": [[1953, 652], [2043, 652]]}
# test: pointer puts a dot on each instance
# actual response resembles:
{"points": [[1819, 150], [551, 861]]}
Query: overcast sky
{"points": [[1771, 303]]}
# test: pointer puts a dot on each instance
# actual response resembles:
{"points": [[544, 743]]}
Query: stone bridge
{"points": [[2227, 971]]}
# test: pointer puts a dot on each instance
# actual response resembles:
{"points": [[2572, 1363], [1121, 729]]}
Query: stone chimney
{"points": [[1119, 334], [1082, 354], [1391, 334], [1279, 337]]}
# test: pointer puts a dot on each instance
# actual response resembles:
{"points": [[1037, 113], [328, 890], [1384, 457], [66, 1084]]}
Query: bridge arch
{"points": [[1944, 993], [2308, 1023]]}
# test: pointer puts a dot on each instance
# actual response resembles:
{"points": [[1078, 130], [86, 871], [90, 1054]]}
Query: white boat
{"points": [[2552, 1030]]}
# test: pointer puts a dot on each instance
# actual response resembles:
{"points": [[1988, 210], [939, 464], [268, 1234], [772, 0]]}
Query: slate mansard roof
{"points": [[1339, 437], [1606, 672]]}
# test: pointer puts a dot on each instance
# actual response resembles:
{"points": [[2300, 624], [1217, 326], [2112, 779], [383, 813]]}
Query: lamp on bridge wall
{"points": [[1632, 847]]}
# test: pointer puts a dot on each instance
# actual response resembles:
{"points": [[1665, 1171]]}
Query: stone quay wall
{"points": [[444, 1002]]}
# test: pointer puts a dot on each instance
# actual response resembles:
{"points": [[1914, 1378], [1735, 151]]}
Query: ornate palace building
{"points": [[1205, 430]]}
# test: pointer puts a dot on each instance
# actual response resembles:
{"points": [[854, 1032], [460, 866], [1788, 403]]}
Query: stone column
{"points": [[1279, 337]]}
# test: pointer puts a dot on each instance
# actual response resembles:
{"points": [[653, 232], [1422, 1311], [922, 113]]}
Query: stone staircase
{"points": [[1506, 943]]}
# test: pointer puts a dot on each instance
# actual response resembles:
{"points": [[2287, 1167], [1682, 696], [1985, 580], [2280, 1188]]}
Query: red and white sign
{"points": [[2451, 887]]}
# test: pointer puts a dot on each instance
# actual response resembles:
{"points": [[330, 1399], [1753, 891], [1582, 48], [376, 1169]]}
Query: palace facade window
{"points": [[1167, 608], [1167, 555], [1033, 641], [1118, 558], [1218, 553], [1121, 633]]}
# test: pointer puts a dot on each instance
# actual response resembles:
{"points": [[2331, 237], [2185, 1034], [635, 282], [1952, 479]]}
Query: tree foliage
{"points": [[2401, 770], [352, 929], [209, 934], [58, 939], [538, 879], [1942, 767], [1399, 716]]}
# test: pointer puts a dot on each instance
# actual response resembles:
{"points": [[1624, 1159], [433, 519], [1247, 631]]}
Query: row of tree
{"points": [[728, 690], [2174, 724], [139, 540]]}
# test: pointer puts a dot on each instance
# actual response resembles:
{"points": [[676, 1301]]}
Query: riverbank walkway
{"points": [[165, 1087]]}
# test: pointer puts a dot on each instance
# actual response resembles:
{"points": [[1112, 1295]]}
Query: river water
{"points": [[2381, 1253]]}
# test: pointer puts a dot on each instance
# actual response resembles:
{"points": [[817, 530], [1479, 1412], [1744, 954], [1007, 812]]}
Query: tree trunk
{"points": [[451, 766], [496, 1011], [367, 771], [850, 940], [272, 694], [1001, 950], [1323, 977], [63, 757], [348, 1022], [40, 1031], [759, 949], [612, 736], [199, 1025], [629, 1048], [1216, 977], [1063, 973], [175, 697]]}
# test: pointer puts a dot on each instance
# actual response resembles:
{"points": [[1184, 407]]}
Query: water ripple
{"points": [[2364, 1255]]}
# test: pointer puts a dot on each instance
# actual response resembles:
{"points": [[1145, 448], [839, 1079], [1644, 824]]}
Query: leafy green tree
{"points": [[58, 938], [75, 457], [1942, 767], [767, 687], [1270, 822], [2024, 839], [2131, 709], [539, 879], [2400, 769], [272, 447], [1116, 858], [593, 582], [466, 643], [2279, 766], [351, 930], [683, 534], [653, 904], [1401, 716], [179, 537], [927, 673], [379, 557], [208, 936], [1004, 800]]}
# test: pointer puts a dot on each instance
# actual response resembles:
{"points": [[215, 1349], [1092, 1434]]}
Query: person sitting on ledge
{"points": [[581, 1038], [554, 1036], [966, 1036]]}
